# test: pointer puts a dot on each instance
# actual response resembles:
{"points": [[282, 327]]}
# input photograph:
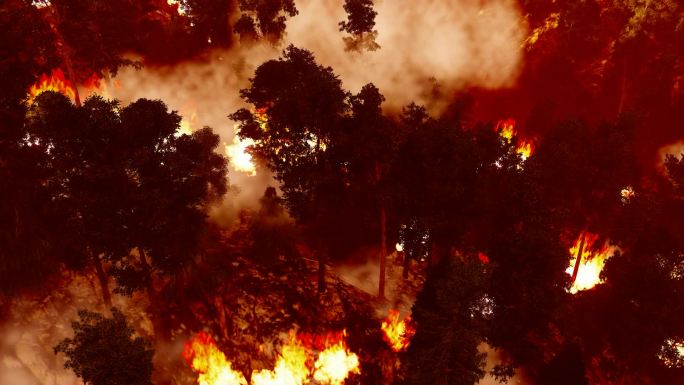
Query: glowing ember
{"points": [[482, 257], [675, 358], [205, 358], [626, 194], [239, 156], [551, 22], [179, 7], [399, 247], [55, 82], [592, 260], [506, 129], [397, 332], [335, 363]]}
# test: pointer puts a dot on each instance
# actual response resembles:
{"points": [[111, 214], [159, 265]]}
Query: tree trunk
{"points": [[578, 260], [383, 251], [65, 53], [623, 88], [102, 277], [151, 293], [407, 265], [321, 273]]}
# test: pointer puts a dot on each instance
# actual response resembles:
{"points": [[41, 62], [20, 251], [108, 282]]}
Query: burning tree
{"points": [[304, 104], [104, 181]]}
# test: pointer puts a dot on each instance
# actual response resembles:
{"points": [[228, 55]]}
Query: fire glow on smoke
{"points": [[295, 365]]}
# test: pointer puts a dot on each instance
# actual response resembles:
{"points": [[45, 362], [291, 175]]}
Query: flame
{"points": [[592, 262], [335, 362], [239, 156], [205, 358], [627, 194], [177, 4], [396, 332], [55, 82], [294, 365], [507, 131], [290, 369]]}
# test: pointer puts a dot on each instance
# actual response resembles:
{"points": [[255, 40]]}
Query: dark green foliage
{"points": [[450, 313], [108, 164], [360, 23], [268, 17], [303, 103], [104, 351]]}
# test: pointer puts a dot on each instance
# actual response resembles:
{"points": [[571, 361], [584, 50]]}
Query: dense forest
{"points": [[233, 192]]}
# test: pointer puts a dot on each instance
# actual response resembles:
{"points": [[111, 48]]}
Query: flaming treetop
{"points": [[55, 82], [397, 332]]}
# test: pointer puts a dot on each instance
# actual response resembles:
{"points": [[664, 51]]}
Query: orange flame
{"points": [[205, 358], [294, 365], [507, 131], [397, 332], [55, 82], [591, 263], [290, 369], [335, 362]]}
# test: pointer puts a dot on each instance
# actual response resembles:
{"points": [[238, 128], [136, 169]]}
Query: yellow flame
{"points": [[507, 131], [240, 158], [210, 363], [55, 82], [397, 332], [290, 368], [335, 363], [592, 262], [179, 7], [627, 193], [293, 366]]}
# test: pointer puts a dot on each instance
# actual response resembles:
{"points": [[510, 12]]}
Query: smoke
{"points": [[429, 49], [36, 325], [364, 275], [493, 359]]}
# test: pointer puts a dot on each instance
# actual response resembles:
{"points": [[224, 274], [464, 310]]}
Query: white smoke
{"points": [[457, 43], [36, 324], [429, 50]]}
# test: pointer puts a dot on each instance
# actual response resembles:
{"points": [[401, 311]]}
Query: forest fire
{"points": [[591, 261], [507, 131], [239, 156], [210, 364], [55, 82], [294, 365], [335, 363], [506, 175], [397, 332]]}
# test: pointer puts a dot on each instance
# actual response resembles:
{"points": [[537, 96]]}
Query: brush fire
{"points": [[338, 192], [329, 362]]}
